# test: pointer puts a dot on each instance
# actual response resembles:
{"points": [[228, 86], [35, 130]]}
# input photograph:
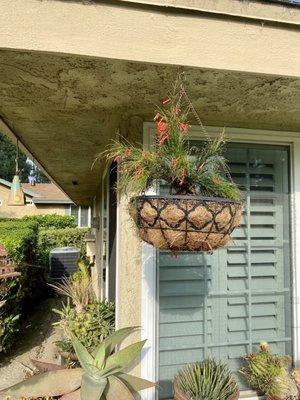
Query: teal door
{"points": [[224, 304]]}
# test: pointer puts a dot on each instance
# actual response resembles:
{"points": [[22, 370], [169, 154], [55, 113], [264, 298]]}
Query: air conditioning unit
{"points": [[63, 262]]}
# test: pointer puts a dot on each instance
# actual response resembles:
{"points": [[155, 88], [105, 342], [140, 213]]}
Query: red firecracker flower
{"points": [[184, 127], [166, 102], [156, 117], [161, 127]]}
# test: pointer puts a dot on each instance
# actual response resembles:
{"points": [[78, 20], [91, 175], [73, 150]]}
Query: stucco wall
{"points": [[155, 34], [128, 290], [20, 211]]}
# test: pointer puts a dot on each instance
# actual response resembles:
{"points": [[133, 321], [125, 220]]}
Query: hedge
{"points": [[30, 240], [52, 221], [48, 239], [19, 238]]}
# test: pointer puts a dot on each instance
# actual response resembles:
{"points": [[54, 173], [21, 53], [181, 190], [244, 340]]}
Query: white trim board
{"points": [[149, 302]]}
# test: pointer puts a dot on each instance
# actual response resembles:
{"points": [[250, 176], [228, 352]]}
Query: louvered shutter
{"points": [[222, 305]]}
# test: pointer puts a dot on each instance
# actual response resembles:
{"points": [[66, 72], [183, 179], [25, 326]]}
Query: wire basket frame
{"points": [[185, 223]]}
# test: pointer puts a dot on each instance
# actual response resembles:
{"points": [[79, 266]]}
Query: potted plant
{"points": [[269, 374], [202, 207], [205, 380], [82, 315]]}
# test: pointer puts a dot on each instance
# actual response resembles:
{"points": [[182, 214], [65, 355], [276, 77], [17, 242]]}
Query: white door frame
{"points": [[149, 303]]}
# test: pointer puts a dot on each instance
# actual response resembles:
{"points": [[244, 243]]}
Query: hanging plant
{"points": [[202, 207]]}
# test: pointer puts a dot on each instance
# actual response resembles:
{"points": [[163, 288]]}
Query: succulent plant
{"points": [[269, 374], [205, 380], [78, 290], [102, 376], [91, 327]]}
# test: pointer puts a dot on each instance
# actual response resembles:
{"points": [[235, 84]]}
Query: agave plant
{"points": [[102, 374], [205, 380]]}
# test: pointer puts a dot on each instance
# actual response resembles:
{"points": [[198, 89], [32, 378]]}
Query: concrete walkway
{"points": [[36, 340]]}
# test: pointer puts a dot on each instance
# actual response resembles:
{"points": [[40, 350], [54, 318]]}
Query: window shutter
{"points": [[222, 305]]}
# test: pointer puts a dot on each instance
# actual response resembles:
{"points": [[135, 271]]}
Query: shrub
{"points": [[30, 240], [48, 239], [9, 317], [19, 238], [52, 221]]}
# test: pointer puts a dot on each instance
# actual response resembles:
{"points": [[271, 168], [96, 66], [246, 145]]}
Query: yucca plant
{"points": [[102, 374], [206, 380]]}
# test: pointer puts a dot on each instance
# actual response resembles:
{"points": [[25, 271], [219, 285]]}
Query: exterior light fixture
{"points": [[16, 195]]}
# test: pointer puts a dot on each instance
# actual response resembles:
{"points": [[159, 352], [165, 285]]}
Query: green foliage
{"points": [[102, 375], [52, 221], [202, 171], [267, 372], [206, 380], [30, 240], [48, 239], [90, 320], [8, 327], [19, 239], [91, 326]]}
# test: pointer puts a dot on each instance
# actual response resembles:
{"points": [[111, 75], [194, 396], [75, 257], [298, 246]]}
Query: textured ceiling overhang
{"points": [[66, 108]]}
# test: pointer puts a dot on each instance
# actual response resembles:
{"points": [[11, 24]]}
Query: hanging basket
{"points": [[188, 223]]}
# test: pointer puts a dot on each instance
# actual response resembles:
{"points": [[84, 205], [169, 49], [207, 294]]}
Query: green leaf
{"points": [[106, 347], [125, 356], [51, 384], [84, 357], [92, 389], [104, 373], [100, 355], [134, 383], [116, 389]]}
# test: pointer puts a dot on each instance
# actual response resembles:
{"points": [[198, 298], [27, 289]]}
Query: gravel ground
{"points": [[35, 340]]}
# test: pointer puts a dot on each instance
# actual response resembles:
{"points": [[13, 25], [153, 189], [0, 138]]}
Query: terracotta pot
{"points": [[189, 223]]}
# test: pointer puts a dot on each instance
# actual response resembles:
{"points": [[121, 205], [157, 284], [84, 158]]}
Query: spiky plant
{"points": [[78, 289], [206, 380], [187, 170], [269, 374], [91, 327], [102, 376]]}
